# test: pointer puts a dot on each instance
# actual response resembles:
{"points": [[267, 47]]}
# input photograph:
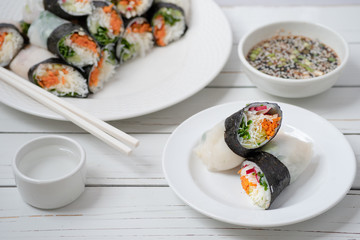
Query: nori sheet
{"points": [[232, 124], [276, 173]]}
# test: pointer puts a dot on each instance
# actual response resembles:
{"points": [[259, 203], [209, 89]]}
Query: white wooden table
{"points": [[128, 197]]}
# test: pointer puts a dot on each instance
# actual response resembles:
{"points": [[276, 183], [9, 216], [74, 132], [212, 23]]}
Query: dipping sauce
{"points": [[293, 57]]}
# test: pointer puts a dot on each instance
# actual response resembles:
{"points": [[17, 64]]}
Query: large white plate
{"points": [[218, 194], [161, 79]]}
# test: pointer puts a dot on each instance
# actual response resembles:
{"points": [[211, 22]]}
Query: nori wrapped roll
{"points": [[252, 127], [105, 23], [168, 23], [74, 45], [11, 41], [99, 74], [263, 177], [59, 78], [67, 40], [136, 41], [132, 8], [68, 9]]}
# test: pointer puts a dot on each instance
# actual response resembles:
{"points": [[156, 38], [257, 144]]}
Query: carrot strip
{"points": [[94, 76], [270, 126], [2, 38], [84, 41], [160, 33]]}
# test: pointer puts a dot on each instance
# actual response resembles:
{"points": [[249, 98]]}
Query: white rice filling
{"points": [[83, 56], [76, 7], [257, 194], [101, 19], [106, 72], [73, 82], [258, 135], [131, 11], [174, 32], [143, 42], [13, 42]]}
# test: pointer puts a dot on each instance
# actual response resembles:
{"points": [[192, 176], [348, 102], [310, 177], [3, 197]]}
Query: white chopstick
{"points": [[105, 132]]}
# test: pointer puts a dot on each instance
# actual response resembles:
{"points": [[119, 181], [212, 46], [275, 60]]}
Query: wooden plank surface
{"points": [[156, 213]]}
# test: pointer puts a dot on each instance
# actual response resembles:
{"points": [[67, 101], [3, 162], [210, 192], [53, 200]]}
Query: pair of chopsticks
{"points": [[100, 129]]}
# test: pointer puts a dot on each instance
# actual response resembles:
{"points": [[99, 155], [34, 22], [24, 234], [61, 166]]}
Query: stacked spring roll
{"points": [[76, 45]]}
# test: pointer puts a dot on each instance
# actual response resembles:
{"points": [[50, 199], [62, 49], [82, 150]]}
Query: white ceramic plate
{"points": [[218, 194], [161, 79]]}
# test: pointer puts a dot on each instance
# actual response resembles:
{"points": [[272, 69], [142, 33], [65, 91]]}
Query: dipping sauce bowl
{"points": [[50, 171]]}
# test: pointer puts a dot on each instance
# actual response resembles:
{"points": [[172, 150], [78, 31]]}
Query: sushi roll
{"points": [[11, 41], [136, 41], [184, 4], [132, 8], [28, 57], [68, 9], [252, 127], [67, 40], [59, 78], [98, 75], [263, 177], [213, 151], [105, 23], [168, 23]]}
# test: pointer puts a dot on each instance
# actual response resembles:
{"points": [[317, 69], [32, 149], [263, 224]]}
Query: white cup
{"points": [[50, 171]]}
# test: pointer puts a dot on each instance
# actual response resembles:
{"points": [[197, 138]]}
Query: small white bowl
{"points": [[293, 88], [50, 171]]}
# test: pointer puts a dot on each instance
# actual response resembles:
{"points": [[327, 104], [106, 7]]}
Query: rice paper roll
{"points": [[213, 151], [98, 75], [132, 8], [294, 151], [42, 27], [137, 40], [105, 23], [263, 177], [59, 78], [168, 23], [31, 10], [69, 9], [28, 57], [252, 127], [67, 40], [11, 41]]}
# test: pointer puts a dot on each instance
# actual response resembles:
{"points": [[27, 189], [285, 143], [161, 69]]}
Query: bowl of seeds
{"points": [[293, 59]]}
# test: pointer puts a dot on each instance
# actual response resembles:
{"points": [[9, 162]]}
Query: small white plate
{"points": [[161, 79], [218, 194]]}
